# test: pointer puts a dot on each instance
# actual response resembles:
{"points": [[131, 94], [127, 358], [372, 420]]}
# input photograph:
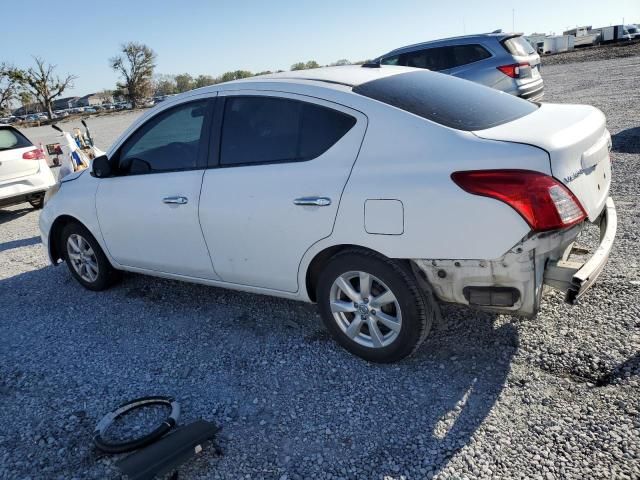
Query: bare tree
{"points": [[135, 65], [41, 82], [8, 86]]}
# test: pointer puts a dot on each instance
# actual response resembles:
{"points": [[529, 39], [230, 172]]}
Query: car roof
{"points": [[477, 37], [341, 77]]}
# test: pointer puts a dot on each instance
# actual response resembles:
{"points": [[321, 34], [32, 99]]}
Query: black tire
{"points": [[106, 274], [37, 202], [418, 307]]}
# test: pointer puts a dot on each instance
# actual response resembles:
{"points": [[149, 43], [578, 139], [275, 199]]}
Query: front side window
{"points": [[169, 141], [393, 60], [270, 130]]}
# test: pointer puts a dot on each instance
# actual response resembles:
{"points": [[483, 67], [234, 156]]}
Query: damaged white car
{"points": [[374, 192]]}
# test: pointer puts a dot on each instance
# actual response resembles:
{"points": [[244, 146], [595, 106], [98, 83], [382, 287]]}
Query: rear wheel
{"points": [[373, 306], [85, 259], [37, 202]]}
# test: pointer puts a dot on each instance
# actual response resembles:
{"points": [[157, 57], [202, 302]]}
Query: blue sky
{"points": [[212, 37]]}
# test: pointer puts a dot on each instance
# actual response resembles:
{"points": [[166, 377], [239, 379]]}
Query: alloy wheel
{"points": [[82, 257], [365, 309]]}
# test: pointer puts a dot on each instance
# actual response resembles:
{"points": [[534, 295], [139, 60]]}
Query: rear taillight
{"points": [[513, 70], [541, 200], [36, 154]]}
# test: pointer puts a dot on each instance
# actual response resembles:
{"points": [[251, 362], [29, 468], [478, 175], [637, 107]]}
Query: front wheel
{"points": [[85, 259], [373, 306]]}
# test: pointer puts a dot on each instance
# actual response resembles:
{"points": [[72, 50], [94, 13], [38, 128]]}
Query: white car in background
{"points": [[375, 192], [24, 173]]}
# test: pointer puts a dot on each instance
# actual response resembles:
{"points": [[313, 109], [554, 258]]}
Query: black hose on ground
{"points": [[129, 445]]}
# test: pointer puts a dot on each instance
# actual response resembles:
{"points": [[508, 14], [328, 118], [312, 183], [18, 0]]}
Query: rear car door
{"points": [[279, 171], [148, 211]]}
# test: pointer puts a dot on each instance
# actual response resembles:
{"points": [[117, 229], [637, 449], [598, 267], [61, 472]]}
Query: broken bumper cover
{"points": [[576, 278]]}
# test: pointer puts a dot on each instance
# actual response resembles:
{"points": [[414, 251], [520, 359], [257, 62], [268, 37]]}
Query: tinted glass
{"points": [[394, 60], [440, 58], [518, 46], [269, 129], [447, 100], [169, 141], [11, 138]]}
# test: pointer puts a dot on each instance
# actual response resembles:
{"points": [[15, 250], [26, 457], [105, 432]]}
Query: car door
{"points": [[148, 211], [280, 169]]}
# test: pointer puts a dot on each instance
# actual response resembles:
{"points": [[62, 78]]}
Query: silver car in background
{"points": [[504, 61]]}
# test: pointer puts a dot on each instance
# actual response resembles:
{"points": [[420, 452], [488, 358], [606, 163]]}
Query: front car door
{"points": [[279, 171], [148, 211]]}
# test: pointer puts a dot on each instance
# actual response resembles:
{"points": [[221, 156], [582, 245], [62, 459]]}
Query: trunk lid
{"points": [[578, 144]]}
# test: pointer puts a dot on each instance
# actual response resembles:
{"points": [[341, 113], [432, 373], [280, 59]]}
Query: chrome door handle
{"points": [[315, 201], [175, 200]]}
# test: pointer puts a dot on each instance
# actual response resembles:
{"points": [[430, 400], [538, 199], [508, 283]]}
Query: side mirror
{"points": [[101, 167]]}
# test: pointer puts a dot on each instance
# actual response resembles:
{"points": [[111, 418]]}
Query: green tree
{"points": [[299, 66], [312, 64], [135, 64], [26, 99], [42, 84], [204, 80], [235, 75], [340, 63], [184, 83]]}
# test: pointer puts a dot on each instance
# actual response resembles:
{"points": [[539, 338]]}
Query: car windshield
{"points": [[11, 138], [447, 100]]}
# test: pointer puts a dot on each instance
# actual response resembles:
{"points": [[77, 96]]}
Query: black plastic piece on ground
{"points": [[169, 453], [157, 433]]}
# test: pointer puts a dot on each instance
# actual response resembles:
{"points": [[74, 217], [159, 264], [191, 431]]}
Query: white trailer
{"points": [[558, 43], [614, 33]]}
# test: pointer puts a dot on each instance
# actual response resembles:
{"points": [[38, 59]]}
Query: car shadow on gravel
{"points": [[7, 215], [23, 242], [260, 367], [626, 141]]}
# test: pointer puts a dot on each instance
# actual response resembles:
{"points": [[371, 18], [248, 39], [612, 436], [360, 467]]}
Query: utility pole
{"points": [[513, 19]]}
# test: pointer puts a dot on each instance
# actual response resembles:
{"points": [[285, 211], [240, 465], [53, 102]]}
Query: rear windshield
{"points": [[447, 100], [10, 138], [518, 46]]}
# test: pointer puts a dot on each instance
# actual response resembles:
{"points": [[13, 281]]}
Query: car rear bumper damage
{"points": [[514, 282], [575, 278]]}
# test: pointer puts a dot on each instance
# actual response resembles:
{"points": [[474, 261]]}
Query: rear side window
{"points": [[447, 100], [440, 58], [270, 130], [518, 46], [10, 138]]}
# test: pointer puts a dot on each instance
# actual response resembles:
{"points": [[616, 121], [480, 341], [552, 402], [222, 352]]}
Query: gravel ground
{"points": [[600, 52], [485, 397]]}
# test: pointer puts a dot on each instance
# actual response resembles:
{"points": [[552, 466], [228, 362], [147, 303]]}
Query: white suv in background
{"points": [[24, 173]]}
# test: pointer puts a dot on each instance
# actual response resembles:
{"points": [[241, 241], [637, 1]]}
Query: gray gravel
{"points": [[485, 397]]}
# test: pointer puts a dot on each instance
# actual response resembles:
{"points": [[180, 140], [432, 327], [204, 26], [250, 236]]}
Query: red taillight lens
{"points": [[36, 154], [513, 70], [543, 202]]}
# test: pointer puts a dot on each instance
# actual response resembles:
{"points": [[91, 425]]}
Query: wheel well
{"points": [[55, 233], [321, 259]]}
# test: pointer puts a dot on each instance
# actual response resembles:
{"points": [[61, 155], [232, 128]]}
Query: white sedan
{"points": [[24, 173], [374, 192]]}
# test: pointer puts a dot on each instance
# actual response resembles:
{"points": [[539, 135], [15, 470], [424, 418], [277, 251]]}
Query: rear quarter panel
{"points": [[407, 158]]}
